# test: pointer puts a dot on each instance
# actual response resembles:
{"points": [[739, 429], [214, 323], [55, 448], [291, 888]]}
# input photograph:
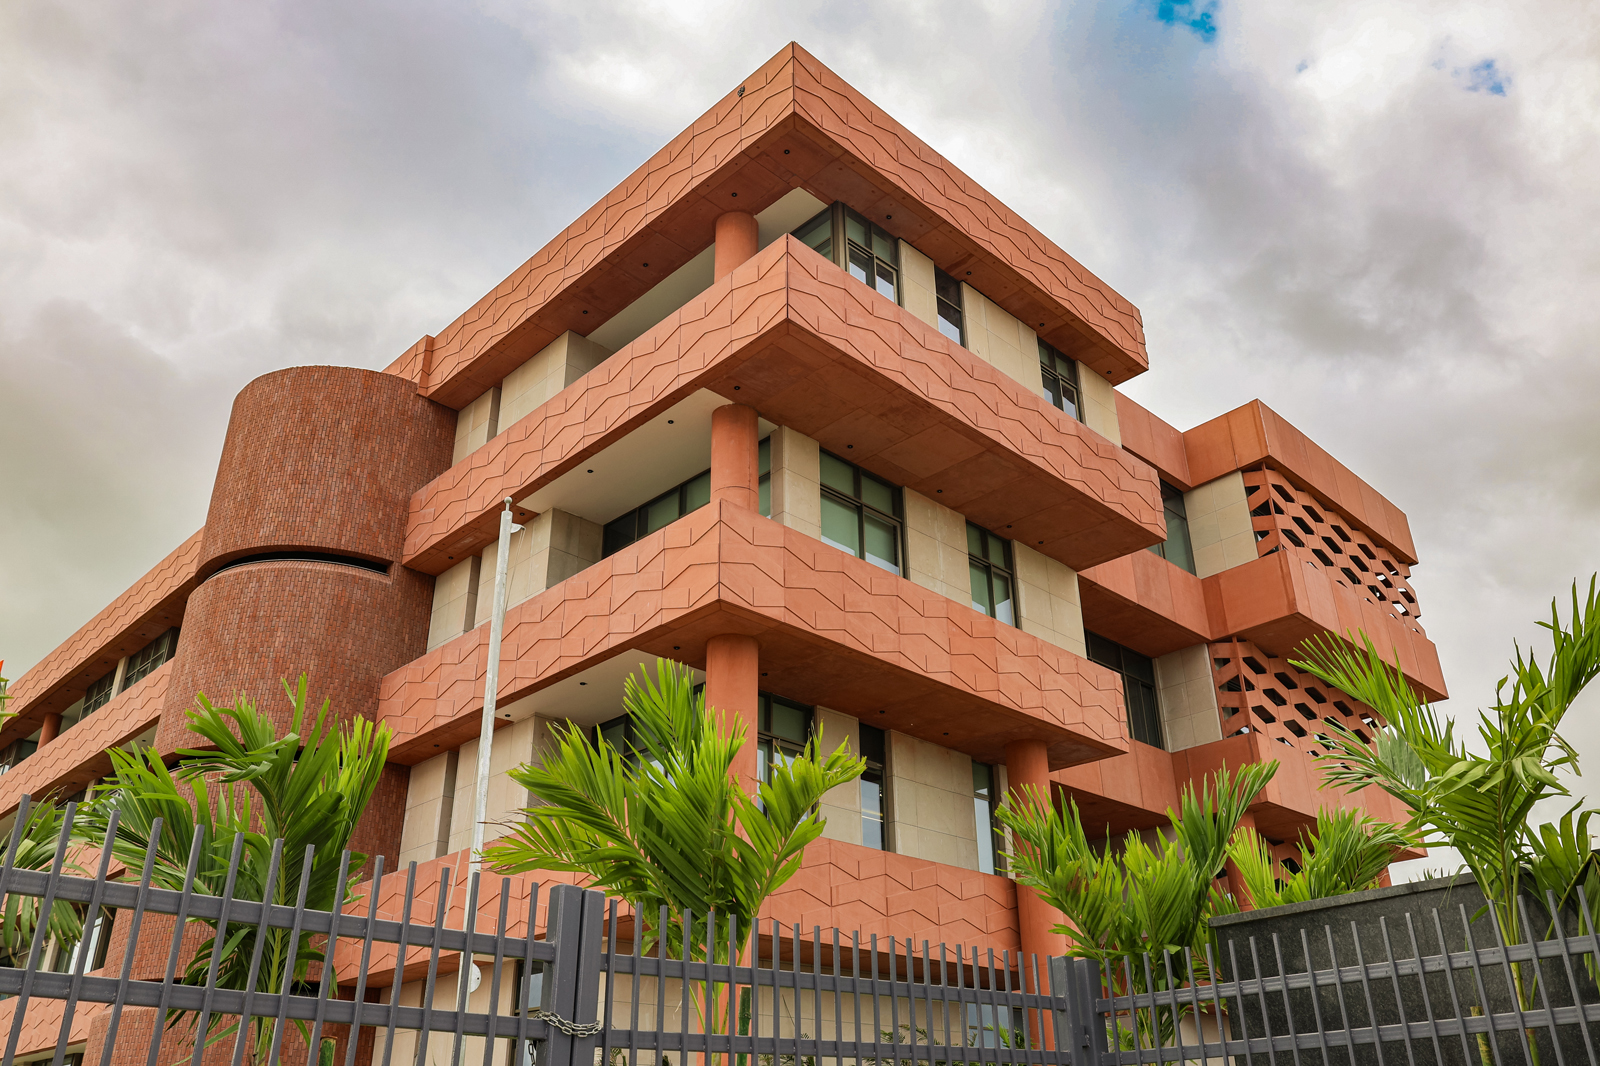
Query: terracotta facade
{"points": [[342, 495]]}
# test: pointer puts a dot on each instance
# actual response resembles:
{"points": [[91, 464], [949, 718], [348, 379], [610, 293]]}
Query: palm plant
{"points": [[1122, 903], [306, 788], [1347, 852], [35, 849], [666, 824], [1478, 801]]}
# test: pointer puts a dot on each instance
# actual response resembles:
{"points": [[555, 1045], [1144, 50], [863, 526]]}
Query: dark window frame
{"points": [[985, 801], [1062, 384], [148, 659], [614, 530], [839, 244], [764, 477], [982, 566], [864, 509], [768, 742], [950, 306], [99, 694], [1140, 700], [872, 745], [1177, 550]]}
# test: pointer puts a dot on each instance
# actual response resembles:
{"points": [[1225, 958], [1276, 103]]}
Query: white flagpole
{"points": [[491, 684]]}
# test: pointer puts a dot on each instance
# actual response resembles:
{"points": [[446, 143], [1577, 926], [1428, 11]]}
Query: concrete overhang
{"points": [[793, 124], [834, 631], [811, 348]]}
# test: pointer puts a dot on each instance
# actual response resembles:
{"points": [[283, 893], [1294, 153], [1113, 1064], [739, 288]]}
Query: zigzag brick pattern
{"points": [[78, 755], [895, 641], [142, 613], [883, 145], [663, 214], [839, 886], [817, 350]]}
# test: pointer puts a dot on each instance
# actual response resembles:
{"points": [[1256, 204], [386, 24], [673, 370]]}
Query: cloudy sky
{"points": [[1382, 219]]}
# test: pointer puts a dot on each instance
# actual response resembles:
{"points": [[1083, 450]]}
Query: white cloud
{"points": [[1315, 207]]}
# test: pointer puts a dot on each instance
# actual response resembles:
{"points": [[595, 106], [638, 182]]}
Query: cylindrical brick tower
{"points": [[300, 565], [300, 573]]}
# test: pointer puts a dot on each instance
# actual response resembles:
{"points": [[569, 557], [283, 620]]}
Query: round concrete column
{"points": [[50, 729], [1028, 763], [735, 456], [733, 682], [737, 240]]}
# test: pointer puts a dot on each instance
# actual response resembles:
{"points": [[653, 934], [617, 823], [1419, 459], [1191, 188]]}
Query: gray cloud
{"points": [[1325, 208]]}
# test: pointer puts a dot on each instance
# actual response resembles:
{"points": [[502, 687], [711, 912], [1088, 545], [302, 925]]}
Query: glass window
{"points": [[991, 841], [94, 946], [99, 694], [1138, 686], [658, 513], [952, 323], [764, 481], [818, 233], [1060, 380], [989, 1026], [872, 791], [16, 751], [860, 513], [989, 562], [870, 254], [782, 729], [144, 662], [1176, 549]]}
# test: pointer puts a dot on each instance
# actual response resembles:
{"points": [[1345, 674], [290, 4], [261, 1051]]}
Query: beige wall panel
{"points": [[916, 276], [1187, 698], [936, 549], [455, 601], [476, 423], [1099, 405], [521, 742], [930, 796], [796, 481], [1219, 525], [998, 338], [525, 568], [842, 805], [1048, 600], [575, 545], [430, 797], [440, 1044], [560, 363]]}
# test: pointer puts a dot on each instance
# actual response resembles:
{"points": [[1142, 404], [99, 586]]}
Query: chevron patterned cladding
{"points": [[839, 886], [792, 124], [815, 350], [148, 608], [78, 755], [836, 631]]}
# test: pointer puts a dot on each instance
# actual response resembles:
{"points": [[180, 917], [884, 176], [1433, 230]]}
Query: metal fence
{"points": [[572, 978]]}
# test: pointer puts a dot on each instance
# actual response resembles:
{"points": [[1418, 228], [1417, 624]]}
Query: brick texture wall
{"points": [[323, 458]]}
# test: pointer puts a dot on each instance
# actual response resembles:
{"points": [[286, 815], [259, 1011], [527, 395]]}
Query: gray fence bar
{"points": [[609, 974]]}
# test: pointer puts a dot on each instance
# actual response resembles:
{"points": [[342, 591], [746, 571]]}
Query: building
{"points": [[800, 405]]}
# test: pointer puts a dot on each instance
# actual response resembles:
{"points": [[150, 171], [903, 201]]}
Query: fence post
{"points": [[571, 986], [1080, 1030]]}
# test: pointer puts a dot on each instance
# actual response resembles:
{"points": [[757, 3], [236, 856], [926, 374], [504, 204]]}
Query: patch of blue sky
{"points": [[1485, 77], [1197, 17]]}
